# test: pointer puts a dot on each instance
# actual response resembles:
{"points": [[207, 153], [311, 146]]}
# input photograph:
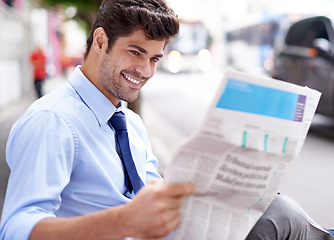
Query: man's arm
{"points": [[153, 213]]}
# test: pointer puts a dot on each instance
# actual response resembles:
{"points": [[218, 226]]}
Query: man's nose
{"points": [[145, 69]]}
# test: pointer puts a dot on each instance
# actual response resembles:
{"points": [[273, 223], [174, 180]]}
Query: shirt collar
{"points": [[95, 100]]}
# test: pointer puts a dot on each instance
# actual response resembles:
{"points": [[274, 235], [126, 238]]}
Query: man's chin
{"points": [[131, 100]]}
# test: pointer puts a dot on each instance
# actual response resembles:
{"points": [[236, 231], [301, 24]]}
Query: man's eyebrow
{"points": [[142, 50]]}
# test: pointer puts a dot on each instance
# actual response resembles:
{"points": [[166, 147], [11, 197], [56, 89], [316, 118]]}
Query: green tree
{"points": [[86, 9]]}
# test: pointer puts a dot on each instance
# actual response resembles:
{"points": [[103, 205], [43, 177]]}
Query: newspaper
{"points": [[254, 128]]}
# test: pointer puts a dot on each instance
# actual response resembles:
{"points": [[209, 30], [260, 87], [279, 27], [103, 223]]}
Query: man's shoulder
{"points": [[59, 99], [62, 102]]}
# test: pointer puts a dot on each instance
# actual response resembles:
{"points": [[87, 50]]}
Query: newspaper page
{"points": [[254, 128]]}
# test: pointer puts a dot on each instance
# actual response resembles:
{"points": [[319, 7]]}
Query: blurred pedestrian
{"points": [[38, 61]]}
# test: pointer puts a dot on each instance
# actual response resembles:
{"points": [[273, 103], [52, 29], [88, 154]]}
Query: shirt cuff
{"points": [[21, 225]]}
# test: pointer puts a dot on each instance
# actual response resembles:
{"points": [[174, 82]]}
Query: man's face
{"points": [[129, 64]]}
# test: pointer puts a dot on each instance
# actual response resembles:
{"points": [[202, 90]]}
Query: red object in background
{"points": [[38, 61]]}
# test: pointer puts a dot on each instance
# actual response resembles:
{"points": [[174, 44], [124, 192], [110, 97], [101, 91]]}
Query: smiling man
{"points": [[70, 175], [73, 175]]}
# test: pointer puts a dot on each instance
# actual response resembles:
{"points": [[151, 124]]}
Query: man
{"points": [[67, 178]]}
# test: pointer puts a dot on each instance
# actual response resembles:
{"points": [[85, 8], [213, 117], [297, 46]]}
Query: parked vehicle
{"points": [[307, 59]]}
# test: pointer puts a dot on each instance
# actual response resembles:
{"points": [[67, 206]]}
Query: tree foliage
{"points": [[87, 9]]}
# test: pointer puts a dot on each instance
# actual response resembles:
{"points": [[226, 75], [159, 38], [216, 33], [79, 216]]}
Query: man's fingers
{"points": [[174, 189], [179, 189]]}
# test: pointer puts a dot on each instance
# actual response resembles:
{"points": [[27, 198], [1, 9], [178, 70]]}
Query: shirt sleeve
{"points": [[40, 153]]}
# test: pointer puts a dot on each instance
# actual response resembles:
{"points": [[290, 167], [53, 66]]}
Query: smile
{"points": [[131, 79]]}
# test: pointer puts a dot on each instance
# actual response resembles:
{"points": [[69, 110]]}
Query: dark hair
{"points": [[120, 18]]}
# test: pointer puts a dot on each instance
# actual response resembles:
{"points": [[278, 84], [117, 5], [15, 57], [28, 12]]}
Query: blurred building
{"points": [[22, 28], [15, 41]]}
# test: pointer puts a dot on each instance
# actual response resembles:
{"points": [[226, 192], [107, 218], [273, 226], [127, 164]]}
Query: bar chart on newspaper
{"points": [[254, 128]]}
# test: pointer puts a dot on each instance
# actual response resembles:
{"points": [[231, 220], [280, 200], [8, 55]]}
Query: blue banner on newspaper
{"points": [[252, 98]]}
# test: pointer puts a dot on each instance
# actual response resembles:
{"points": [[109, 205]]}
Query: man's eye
{"points": [[134, 52], [155, 60]]}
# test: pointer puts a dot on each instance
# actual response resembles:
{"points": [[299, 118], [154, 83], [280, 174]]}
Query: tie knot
{"points": [[118, 121]]}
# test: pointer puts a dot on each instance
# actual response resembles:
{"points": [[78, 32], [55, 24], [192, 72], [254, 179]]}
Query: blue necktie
{"points": [[132, 179]]}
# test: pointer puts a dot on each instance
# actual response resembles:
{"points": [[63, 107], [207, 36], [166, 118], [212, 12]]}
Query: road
{"points": [[181, 102]]}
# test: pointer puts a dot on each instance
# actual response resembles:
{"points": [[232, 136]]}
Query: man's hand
{"points": [[155, 211], [152, 214]]}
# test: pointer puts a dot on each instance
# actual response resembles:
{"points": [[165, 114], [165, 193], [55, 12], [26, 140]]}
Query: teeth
{"points": [[131, 79]]}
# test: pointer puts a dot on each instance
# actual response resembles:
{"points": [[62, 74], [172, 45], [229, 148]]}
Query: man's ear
{"points": [[100, 41]]}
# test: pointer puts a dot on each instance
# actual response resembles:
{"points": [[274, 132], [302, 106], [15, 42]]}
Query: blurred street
{"points": [[173, 107]]}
